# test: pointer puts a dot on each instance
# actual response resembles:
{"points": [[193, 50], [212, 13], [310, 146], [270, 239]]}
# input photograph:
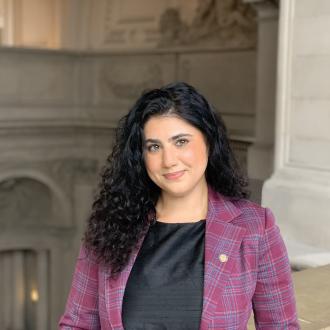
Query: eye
{"points": [[181, 142], [153, 147]]}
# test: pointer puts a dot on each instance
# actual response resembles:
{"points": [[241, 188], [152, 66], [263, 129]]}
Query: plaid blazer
{"points": [[246, 268]]}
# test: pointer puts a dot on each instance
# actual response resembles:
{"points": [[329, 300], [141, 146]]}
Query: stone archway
{"points": [[28, 210]]}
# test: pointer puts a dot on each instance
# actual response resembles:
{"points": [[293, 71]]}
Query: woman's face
{"points": [[175, 155]]}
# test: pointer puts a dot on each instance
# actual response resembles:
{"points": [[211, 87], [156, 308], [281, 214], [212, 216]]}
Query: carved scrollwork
{"points": [[171, 28], [221, 23]]}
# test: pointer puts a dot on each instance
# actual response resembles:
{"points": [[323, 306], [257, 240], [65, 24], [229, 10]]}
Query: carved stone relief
{"points": [[172, 28], [217, 23], [23, 202], [131, 24]]}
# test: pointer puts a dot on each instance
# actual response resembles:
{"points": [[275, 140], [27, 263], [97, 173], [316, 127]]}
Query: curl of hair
{"points": [[125, 205]]}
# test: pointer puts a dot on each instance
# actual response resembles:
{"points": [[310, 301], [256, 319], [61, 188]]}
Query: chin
{"points": [[179, 192]]}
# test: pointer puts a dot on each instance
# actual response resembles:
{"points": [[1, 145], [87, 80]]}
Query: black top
{"points": [[165, 287]]}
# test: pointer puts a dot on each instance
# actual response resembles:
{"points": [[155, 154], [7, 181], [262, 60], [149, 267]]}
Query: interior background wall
{"points": [[69, 70]]}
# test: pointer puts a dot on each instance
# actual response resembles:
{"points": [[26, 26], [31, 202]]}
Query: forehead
{"points": [[168, 126]]}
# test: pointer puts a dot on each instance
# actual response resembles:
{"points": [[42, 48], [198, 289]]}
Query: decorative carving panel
{"points": [[130, 24], [122, 78], [216, 23], [24, 202]]}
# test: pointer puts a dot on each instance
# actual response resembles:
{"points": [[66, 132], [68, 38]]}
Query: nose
{"points": [[169, 157]]}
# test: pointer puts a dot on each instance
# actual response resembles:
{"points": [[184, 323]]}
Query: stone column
{"points": [[7, 294], [260, 154], [299, 190], [18, 316], [42, 304]]}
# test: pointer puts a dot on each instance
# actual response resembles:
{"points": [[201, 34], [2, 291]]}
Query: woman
{"points": [[172, 243]]}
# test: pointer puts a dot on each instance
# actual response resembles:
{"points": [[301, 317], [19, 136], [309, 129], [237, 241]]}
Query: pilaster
{"points": [[298, 191], [260, 154]]}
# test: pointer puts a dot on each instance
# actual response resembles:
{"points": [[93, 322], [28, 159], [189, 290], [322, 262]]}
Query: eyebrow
{"points": [[172, 138]]}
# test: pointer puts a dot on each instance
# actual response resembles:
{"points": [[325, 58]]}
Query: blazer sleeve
{"points": [[81, 310], [273, 301]]}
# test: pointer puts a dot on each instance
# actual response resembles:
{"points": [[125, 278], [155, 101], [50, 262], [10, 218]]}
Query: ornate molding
{"points": [[64, 172], [41, 193], [217, 23], [23, 202], [124, 27]]}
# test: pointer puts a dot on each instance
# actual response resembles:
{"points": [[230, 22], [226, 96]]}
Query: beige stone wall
{"points": [[298, 192], [58, 112], [310, 94], [59, 108]]}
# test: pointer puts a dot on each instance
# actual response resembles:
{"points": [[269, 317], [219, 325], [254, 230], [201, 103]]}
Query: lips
{"points": [[173, 175]]}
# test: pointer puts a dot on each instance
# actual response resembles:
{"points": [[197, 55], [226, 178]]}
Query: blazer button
{"points": [[223, 258]]}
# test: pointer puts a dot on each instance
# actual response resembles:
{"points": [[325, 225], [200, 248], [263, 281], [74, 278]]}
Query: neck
{"points": [[187, 208]]}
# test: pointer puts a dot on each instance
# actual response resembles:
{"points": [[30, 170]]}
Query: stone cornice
{"points": [[274, 2], [66, 124], [131, 52]]}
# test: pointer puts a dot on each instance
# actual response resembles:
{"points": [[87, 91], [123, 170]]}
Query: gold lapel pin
{"points": [[223, 258]]}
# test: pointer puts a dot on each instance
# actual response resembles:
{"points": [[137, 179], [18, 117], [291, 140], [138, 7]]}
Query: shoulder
{"points": [[244, 213], [87, 256], [255, 218]]}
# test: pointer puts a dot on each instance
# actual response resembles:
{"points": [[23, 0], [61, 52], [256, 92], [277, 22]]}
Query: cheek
{"points": [[196, 156], [151, 163]]}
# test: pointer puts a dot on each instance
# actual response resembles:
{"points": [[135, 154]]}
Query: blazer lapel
{"points": [[114, 292], [222, 241]]}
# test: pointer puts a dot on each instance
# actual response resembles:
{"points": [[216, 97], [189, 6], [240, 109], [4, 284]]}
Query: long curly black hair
{"points": [[125, 204]]}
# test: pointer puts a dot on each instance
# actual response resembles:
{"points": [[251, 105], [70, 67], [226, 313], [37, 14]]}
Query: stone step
{"points": [[304, 256]]}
